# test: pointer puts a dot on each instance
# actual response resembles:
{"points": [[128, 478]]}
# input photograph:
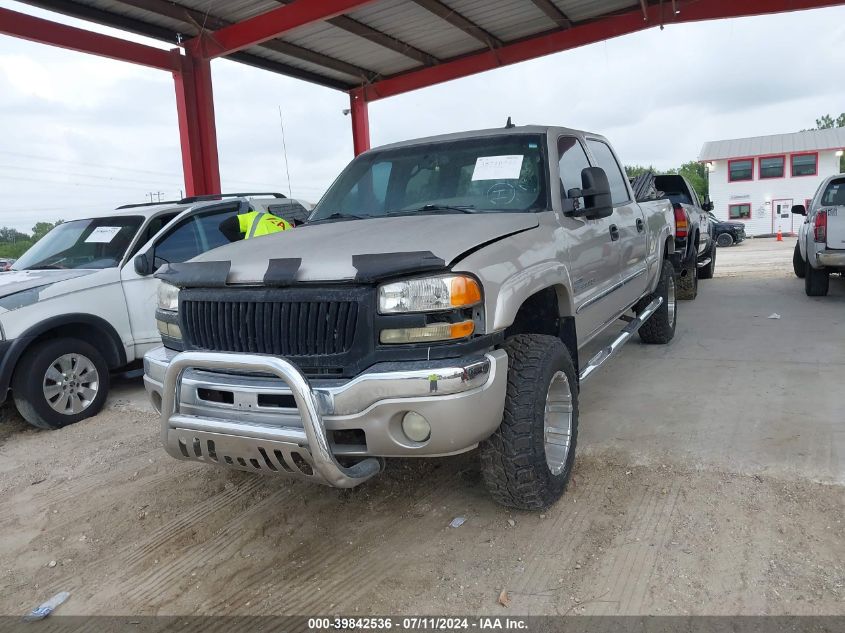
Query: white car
{"points": [[81, 302], [820, 250]]}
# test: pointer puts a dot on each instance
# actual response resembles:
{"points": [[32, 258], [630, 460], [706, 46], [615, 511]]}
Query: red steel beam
{"points": [[29, 27], [360, 121], [197, 130], [273, 23], [580, 35]]}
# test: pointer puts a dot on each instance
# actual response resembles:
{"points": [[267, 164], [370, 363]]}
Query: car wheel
{"points": [[60, 382], [816, 281], [798, 264], [709, 270], [527, 462], [725, 239], [660, 327]]}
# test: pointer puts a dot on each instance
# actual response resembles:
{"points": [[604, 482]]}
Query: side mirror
{"points": [[595, 189], [144, 264], [708, 205], [798, 209]]}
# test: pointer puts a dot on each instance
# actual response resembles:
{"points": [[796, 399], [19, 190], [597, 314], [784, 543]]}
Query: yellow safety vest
{"points": [[257, 223]]}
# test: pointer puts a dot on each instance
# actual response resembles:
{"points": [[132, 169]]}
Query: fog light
{"points": [[416, 427]]}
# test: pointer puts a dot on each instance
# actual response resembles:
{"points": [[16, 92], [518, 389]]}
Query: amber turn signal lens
{"points": [[465, 291], [462, 329]]}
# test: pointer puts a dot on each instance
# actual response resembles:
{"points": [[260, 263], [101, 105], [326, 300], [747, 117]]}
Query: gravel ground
{"points": [[99, 510]]}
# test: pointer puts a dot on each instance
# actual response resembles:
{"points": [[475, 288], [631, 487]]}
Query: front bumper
{"points": [[831, 259], [260, 414]]}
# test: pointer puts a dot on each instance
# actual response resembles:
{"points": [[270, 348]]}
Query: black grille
{"points": [[271, 326]]}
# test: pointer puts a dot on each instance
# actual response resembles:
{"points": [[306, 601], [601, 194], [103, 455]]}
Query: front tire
{"points": [[60, 382], [816, 281], [725, 239], [527, 462], [709, 270], [798, 264], [660, 328]]}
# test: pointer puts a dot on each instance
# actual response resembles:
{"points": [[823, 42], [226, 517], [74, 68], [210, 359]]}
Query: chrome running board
{"points": [[624, 336]]}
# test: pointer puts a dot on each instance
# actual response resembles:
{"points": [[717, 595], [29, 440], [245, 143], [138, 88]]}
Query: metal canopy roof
{"points": [[381, 39], [380, 48]]}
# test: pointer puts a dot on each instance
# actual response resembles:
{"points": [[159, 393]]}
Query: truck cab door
{"points": [[632, 242], [186, 238], [587, 246]]}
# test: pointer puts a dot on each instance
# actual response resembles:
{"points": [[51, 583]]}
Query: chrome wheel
{"points": [[557, 423], [71, 384], [670, 299]]}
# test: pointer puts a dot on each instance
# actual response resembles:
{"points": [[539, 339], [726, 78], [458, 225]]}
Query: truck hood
{"points": [[14, 281], [326, 249]]}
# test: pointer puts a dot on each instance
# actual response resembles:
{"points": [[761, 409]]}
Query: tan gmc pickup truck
{"points": [[434, 302]]}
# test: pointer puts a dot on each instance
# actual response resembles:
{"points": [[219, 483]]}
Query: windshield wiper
{"points": [[428, 208], [46, 267], [340, 216]]}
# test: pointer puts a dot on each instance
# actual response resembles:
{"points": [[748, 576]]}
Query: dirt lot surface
{"points": [[709, 481]]}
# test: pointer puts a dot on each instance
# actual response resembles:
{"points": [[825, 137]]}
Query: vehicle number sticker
{"points": [[103, 234], [497, 167]]}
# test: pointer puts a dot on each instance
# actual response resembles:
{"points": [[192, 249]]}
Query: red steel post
{"points": [[360, 121], [197, 130]]}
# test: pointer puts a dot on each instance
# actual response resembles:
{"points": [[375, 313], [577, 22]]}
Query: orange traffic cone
{"points": [[780, 235]]}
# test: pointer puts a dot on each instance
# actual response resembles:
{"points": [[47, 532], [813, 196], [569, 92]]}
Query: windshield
{"points": [[479, 175], [95, 243]]}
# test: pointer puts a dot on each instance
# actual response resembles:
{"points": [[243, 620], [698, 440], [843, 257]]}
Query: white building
{"points": [[757, 180]]}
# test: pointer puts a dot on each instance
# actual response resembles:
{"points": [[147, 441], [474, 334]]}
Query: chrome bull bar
{"points": [[310, 443]]}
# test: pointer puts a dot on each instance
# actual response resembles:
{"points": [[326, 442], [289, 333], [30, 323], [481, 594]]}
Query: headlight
{"points": [[428, 333], [168, 297], [429, 294]]}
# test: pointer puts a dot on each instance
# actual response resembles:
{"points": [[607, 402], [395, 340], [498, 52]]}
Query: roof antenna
{"points": [[285, 149], [509, 124]]}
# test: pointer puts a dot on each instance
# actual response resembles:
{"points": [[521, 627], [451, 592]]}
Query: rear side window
{"points": [[573, 160], [607, 161], [834, 195]]}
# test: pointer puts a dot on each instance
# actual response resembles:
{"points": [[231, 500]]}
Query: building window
{"points": [[739, 212], [772, 166], [805, 164], [742, 169]]}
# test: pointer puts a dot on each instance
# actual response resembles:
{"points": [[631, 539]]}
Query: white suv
{"points": [[81, 302]]}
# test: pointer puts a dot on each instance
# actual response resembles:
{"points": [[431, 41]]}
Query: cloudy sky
{"points": [[80, 134]]}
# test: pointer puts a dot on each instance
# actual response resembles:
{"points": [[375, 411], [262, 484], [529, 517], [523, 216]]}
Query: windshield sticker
{"points": [[103, 234], [497, 167]]}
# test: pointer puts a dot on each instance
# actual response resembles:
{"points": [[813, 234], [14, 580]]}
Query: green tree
{"points": [[638, 170], [14, 250], [10, 236], [42, 228], [825, 122]]}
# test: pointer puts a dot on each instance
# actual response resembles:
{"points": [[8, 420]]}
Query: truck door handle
{"points": [[640, 225], [614, 232]]}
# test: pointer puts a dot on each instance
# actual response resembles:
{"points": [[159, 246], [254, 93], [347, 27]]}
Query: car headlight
{"points": [[168, 297], [429, 294]]}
